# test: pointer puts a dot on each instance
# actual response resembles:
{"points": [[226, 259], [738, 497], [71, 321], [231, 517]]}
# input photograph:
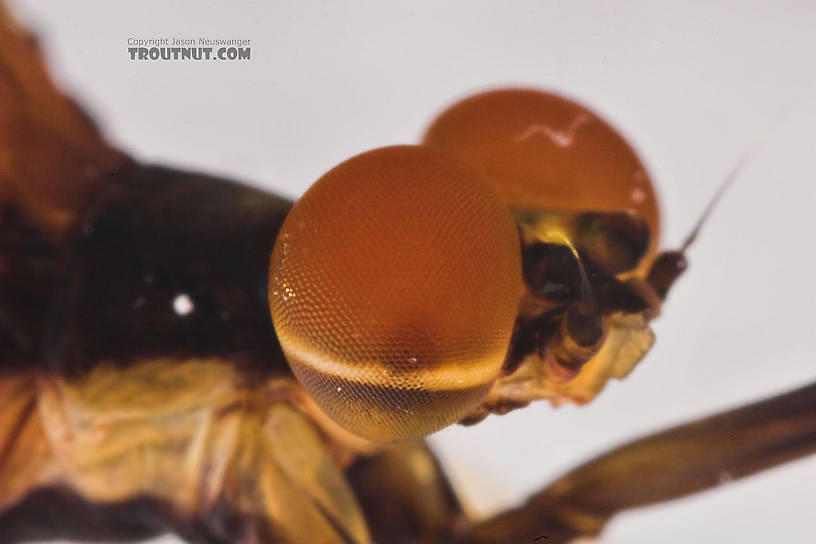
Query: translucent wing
{"points": [[52, 156]]}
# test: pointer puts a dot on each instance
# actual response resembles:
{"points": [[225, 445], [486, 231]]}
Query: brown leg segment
{"points": [[405, 496], [664, 466]]}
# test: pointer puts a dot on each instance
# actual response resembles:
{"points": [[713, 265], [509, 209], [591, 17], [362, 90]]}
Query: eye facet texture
{"points": [[542, 151], [393, 288]]}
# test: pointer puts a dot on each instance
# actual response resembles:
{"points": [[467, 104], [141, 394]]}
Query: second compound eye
{"points": [[393, 288], [542, 151]]}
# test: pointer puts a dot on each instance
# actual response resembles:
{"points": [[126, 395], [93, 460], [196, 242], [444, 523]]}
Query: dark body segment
{"points": [[50, 513], [164, 271], [167, 264]]}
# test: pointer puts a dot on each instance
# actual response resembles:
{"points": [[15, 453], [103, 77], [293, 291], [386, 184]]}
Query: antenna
{"points": [[724, 186], [670, 265], [732, 177]]}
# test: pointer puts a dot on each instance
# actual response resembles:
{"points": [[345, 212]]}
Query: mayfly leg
{"points": [[668, 465]]}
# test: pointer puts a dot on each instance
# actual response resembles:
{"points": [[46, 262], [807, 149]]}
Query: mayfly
{"points": [[159, 372]]}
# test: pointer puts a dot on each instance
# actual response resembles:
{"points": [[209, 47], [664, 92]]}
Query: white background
{"points": [[692, 85]]}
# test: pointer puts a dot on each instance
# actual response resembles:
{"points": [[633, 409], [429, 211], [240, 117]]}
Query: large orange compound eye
{"points": [[542, 151], [393, 287]]}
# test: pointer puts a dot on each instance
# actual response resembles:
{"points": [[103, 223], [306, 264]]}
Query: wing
{"points": [[52, 156]]}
